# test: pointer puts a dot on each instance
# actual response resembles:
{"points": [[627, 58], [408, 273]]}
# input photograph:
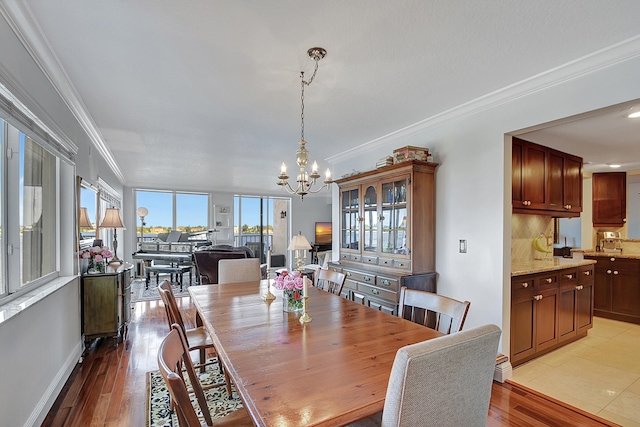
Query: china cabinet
{"points": [[387, 233], [609, 199]]}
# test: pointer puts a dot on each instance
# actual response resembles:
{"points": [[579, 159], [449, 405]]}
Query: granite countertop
{"points": [[519, 268], [612, 254]]}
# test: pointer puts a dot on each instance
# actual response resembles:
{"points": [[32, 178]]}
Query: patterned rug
{"points": [[158, 399], [142, 294]]}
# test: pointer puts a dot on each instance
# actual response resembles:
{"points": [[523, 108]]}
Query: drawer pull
{"points": [[367, 278], [608, 271], [525, 285], [375, 291], [587, 273], [348, 273], [386, 282], [579, 287], [548, 280], [615, 272], [613, 259], [537, 297], [569, 276]]}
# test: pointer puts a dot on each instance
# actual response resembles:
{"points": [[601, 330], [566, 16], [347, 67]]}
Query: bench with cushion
{"points": [[178, 270]]}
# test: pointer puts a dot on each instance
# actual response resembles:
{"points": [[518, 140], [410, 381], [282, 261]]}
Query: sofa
{"points": [[207, 258]]}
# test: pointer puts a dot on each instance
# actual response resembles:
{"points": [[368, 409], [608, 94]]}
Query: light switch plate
{"points": [[463, 246]]}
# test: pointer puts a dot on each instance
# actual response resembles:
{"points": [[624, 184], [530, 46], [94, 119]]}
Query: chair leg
{"points": [[147, 279], [203, 359]]}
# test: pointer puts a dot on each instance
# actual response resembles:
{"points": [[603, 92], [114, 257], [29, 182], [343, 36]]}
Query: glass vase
{"points": [[96, 267], [292, 301]]}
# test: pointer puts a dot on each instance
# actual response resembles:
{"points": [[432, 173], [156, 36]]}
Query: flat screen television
{"points": [[323, 233]]}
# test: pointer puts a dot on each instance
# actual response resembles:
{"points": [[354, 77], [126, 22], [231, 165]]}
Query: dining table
{"points": [[331, 371]]}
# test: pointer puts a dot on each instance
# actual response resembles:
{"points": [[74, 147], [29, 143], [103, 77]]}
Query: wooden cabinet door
{"points": [[609, 199], [517, 160], [625, 291], [522, 325], [567, 326], [584, 307], [546, 321], [350, 220], [572, 183], [100, 305], [602, 286], [556, 180], [534, 169]]}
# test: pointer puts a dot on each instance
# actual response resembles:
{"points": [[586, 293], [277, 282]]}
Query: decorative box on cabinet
{"points": [[545, 181], [616, 289], [549, 309], [106, 303]]}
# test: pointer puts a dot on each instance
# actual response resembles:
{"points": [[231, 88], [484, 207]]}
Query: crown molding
{"points": [[603, 58], [21, 20]]}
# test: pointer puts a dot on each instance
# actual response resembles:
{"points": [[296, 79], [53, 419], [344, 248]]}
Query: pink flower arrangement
{"points": [[96, 253], [289, 281]]}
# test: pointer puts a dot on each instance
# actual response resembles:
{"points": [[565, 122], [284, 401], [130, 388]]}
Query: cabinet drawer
{"points": [[521, 283], [350, 284], [362, 277], [389, 283], [402, 263], [585, 273], [377, 292], [387, 262], [568, 276], [370, 259], [546, 281]]}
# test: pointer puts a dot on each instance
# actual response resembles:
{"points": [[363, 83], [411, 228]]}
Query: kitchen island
{"points": [[551, 305]]}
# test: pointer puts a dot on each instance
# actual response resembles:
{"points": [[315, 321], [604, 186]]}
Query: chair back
{"points": [[170, 304], [172, 354], [239, 270], [438, 312], [329, 280], [445, 381]]}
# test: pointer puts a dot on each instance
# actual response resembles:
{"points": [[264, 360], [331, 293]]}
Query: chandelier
{"points": [[305, 181]]}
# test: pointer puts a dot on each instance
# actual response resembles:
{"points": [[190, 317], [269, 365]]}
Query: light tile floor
{"points": [[599, 373]]}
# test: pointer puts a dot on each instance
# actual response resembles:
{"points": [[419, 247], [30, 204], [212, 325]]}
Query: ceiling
{"points": [[205, 95]]}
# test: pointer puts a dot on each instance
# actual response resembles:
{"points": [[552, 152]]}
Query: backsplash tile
{"points": [[525, 228]]}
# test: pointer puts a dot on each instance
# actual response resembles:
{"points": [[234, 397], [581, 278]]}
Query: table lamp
{"points": [[300, 243], [113, 219], [83, 219]]}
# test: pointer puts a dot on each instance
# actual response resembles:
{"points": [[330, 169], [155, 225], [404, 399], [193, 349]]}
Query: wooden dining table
{"points": [[331, 371]]}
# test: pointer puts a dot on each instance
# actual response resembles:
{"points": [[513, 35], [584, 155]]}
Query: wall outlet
{"points": [[463, 246]]}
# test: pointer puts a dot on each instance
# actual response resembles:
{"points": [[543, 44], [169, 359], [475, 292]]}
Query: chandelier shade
{"points": [[305, 181]]}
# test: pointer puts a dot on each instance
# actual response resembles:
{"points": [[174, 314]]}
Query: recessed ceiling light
{"points": [[614, 166], [634, 115]]}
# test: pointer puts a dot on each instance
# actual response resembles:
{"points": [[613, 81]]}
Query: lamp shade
{"points": [[83, 219], [299, 242], [112, 219]]}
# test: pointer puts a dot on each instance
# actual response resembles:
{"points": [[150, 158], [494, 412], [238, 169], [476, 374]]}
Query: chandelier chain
{"points": [[303, 83]]}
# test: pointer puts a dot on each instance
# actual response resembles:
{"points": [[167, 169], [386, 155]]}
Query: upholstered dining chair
{"points": [[438, 312], [444, 381], [329, 280], [239, 270], [172, 355]]}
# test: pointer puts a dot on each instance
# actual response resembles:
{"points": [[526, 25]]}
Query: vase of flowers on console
{"points": [[291, 284], [95, 259]]}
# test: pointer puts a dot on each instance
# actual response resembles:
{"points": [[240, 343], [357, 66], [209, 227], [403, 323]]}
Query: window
{"points": [[28, 209], [261, 224], [171, 210]]}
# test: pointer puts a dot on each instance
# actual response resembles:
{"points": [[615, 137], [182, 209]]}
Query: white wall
{"points": [[473, 181], [304, 215]]}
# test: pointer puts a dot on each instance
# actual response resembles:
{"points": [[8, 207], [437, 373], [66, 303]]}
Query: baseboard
{"points": [[50, 395], [503, 371]]}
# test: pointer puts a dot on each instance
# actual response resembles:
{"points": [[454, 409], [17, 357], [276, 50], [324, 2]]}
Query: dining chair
{"points": [[444, 381], [329, 280], [239, 270], [172, 355], [195, 338], [438, 312]]}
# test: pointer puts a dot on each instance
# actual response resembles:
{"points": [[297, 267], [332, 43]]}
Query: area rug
{"points": [[139, 293], [158, 398]]}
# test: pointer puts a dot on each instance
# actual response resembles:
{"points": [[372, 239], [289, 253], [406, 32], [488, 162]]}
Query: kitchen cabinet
{"points": [[387, 233], [106, 303], [609, 199], [545, 181], [548, 310], [575, 302], [617, 288]]}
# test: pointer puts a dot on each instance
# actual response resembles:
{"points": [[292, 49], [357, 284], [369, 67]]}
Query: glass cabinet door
{"points": [[394, 217], [349, 222], [370, 219]]}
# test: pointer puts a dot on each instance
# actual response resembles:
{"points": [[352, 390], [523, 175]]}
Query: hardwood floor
{"points": [[109, 387]]}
